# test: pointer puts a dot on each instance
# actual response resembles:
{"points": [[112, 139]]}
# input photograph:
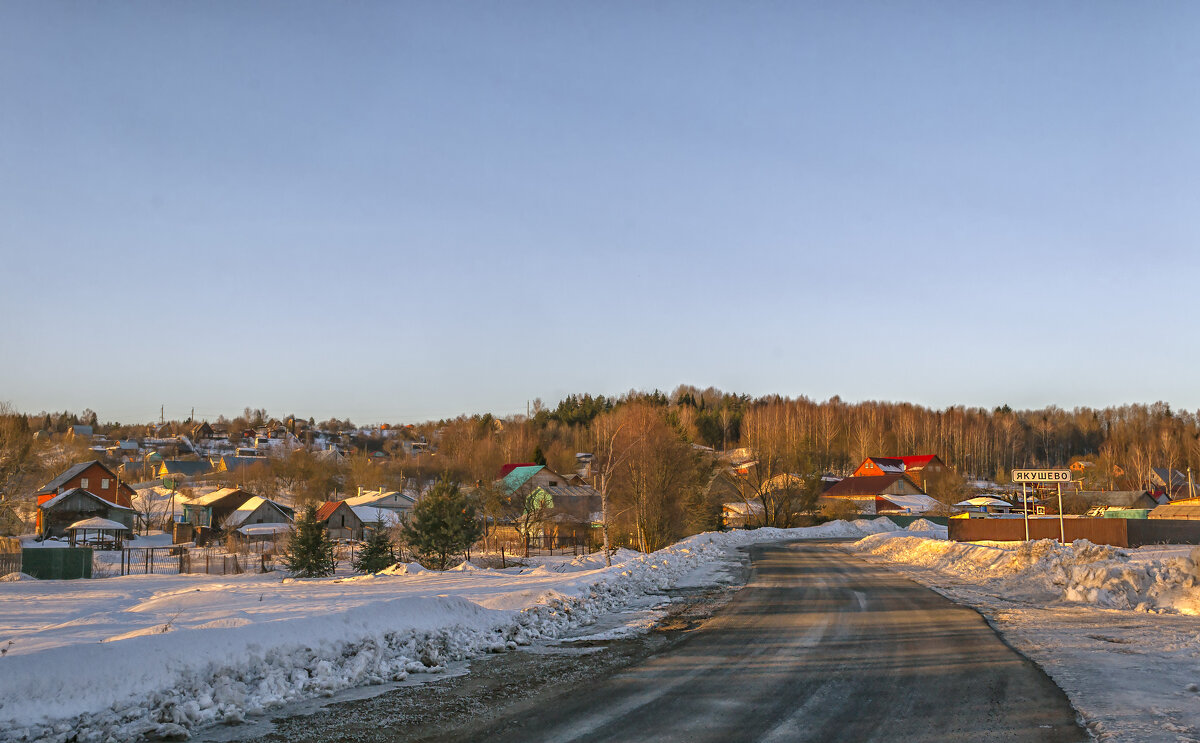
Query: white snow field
{"points": [[153, 656], [1117, 629]]}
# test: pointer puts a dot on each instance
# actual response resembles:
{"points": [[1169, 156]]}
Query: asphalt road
{"points": [[819, 646]]}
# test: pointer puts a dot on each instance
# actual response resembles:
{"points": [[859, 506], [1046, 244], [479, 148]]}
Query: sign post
{"points": [[1025, 502], [1062, 530], [1044, 477]]}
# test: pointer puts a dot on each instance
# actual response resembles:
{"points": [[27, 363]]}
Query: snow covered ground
{"points": [[146, 656], [1118, 630], [161, 655]]}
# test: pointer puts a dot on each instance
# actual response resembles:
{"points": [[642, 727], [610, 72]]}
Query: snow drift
{"points": [[1081, 572], [158, 656]]}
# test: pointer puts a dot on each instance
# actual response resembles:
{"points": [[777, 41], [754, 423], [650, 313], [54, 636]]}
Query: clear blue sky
{"points": [[397, 211]]}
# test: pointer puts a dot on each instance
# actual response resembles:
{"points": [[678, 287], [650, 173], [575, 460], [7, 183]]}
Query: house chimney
{"points": [[360, 489]]}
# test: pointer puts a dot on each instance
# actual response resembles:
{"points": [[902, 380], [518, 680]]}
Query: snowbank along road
{"points": [[819, 646]]}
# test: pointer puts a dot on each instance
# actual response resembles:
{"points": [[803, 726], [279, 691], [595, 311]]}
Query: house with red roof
{"points": [[340, 520], [873, 494], [918, 467], [84, 490]]}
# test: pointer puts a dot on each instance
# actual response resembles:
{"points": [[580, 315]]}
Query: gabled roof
{"points": [[510, 467], [236, 463], [98, 523], [1164, 475], [374, 496], [890, 465], [918, 461], [218, 495], [69, 474], [327, 509], [67, 494], [520, 475], [984, 500], [911, 503], [1117, 498], [243, 512], [864, 485], [186, 468]]}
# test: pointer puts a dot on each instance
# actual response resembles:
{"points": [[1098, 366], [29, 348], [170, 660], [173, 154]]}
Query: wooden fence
{"points": [[10, 562], [1097, 531], [1116, 532]]}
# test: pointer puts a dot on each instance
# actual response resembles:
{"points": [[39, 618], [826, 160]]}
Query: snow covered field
{"points": [[159, 655], [148, 656], [1116, 629]]}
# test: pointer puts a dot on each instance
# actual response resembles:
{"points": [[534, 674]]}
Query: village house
{"points": [[259, 510], [340, 520], [212, 510], [572, 511], [918, 468], [182, 469], [870, 494], [234, 465], [1171, 483], [388, 500], [85, 490], [984, 504]]}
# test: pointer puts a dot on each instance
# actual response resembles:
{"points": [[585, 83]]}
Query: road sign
{"points": [[1041, 476]]}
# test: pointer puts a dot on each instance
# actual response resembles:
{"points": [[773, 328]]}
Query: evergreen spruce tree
{"points": [[310, 551], [376, 554], [444, 524], [539, 457]]}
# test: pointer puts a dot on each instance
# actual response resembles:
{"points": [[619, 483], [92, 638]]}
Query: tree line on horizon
{"points": [[658, 456]]}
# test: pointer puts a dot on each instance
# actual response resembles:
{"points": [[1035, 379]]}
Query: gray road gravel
{"points": [[819, 646]]}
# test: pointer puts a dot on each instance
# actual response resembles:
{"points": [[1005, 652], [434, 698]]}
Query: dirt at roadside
{"points": [[501, 684]]}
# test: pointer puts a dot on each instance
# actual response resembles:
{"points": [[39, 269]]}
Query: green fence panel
{"points": [[65, 563], [1127, 513]]}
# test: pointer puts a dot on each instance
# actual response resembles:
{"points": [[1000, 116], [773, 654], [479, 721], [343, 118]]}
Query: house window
{"points": [[554, 483], [343, 522], [104, 483], [83, 483]]}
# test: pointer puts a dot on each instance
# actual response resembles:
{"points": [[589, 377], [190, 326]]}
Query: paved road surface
{"points": [[819, 646]]}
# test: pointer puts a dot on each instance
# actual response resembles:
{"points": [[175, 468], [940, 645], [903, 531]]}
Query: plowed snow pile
{"points": [[1082, 572], [160, 655], [1115, 628]]}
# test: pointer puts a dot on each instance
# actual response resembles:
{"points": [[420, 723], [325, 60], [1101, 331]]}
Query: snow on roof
{"points": [[243, 512], [863, 485], [744, 509], [913, 503], [891, 465], [371, 515], [213, 497], [252, 530], [983, 500], [68, 493], [98, 523], [370, 497]]}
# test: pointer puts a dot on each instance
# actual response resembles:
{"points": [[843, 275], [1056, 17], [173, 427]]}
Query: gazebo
{"points": [[105, 533]]}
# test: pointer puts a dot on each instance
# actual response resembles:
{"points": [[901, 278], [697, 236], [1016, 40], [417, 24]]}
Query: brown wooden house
{"points": [[340, 520], [864, 490]]}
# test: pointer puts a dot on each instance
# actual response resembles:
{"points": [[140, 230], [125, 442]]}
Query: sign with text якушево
{"points": [[1041, 476]]}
